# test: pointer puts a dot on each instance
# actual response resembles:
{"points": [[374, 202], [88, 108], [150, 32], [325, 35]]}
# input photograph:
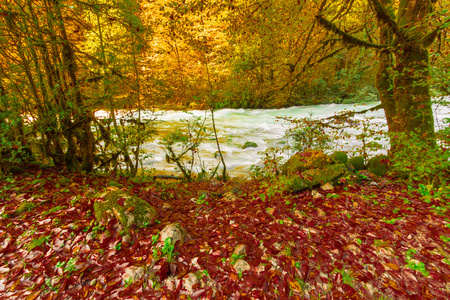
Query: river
{"points": [[235, 127]]}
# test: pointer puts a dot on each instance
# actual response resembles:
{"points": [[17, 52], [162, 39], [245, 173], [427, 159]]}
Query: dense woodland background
{"points": [[61, 61]]}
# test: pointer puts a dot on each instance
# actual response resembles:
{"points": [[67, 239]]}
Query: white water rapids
{"points": [[261, 126]]}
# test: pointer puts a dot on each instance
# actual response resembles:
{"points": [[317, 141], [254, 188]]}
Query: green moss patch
{"points": [[127, 209]]}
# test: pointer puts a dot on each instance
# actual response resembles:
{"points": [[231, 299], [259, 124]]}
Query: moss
{"points": [[309, 159], [249, 144], [324, 175], [357, 162], [378, 165], [24, 207], [313, 177], [340, 156], [296, 184], [127, 209], [37, 242]]}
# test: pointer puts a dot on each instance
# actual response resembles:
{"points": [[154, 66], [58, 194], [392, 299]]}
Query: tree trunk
{"points": [[411, 87], [383, 79], [82, 117]]}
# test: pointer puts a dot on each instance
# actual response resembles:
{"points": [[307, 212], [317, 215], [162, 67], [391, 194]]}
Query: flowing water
{"points": [[261, 126]]}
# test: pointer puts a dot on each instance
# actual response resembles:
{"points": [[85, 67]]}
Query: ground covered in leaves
{"points": [[373, 240]]}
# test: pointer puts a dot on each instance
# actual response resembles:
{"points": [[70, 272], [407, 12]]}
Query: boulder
{"points": [[340, 156], [357, 162], [310, 178], [128, 210], [309, 159], [378, 165], [307, 169]]}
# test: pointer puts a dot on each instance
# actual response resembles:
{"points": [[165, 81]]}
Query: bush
{"points": [[419, 163], [308, 133]]}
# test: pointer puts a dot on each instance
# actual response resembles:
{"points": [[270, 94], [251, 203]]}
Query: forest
{"points": [[83, 215]]}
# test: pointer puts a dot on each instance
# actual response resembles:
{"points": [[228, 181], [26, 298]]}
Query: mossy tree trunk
{"points": [[403, 69], [411, 88], [383, 80]]}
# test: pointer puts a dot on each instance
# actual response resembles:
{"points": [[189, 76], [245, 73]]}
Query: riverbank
{"points": [[373, 240]]}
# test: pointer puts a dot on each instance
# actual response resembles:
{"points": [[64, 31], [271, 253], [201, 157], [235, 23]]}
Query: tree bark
{"points": [[411, 88]]}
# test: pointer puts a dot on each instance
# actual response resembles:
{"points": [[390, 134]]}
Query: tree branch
{"points": [[387, 18], [428, 39], [347, 38]]}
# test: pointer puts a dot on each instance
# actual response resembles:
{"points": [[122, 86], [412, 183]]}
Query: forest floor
{"points": [[372, 240]]}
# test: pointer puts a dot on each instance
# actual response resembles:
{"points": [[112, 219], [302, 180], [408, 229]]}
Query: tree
{"points": [[405, 35]]}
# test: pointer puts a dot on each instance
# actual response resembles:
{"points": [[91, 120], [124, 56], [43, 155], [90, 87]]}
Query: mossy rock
{"points": [[340, 156], [128, 210], [310, 178], [324, 175], [309, 159], [357, 162], [296, 184], [378, 165], [249, 144]]}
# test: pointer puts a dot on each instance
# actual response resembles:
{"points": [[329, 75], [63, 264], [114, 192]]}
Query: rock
{"points": [[350, 167], [133, 273], [327, 187], [249, 144], [321, 212], [241, 265], [310, 178], [229, 196], [315, 194], [175, 231], [126, 239], [128, 210], [240, 250], [167, 206], [90, 236], [357, 162], [189, 282], [309, 159], [340, 156], [310, 168], [378, 165]]}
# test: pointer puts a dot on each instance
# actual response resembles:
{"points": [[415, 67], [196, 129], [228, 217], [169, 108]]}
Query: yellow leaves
{"points": [[15, 284], [393, 266], [33, 295], [295, 285]]}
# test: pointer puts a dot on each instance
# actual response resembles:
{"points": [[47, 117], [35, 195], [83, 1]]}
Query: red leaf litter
{"points": [[367, 241]]}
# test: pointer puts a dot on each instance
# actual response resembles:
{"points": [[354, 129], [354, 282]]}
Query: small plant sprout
{"points": [[235, 257]]}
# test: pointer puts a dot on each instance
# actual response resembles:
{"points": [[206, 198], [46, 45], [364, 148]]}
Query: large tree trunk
{"points": [[411, 87], [383, 80], [412, 94]]}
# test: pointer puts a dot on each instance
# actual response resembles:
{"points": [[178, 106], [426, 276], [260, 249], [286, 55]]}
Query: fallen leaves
{"points": [[367, 241]]}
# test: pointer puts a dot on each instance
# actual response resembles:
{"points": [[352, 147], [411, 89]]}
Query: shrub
{"points": [[418, 162], [308, 133]]}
